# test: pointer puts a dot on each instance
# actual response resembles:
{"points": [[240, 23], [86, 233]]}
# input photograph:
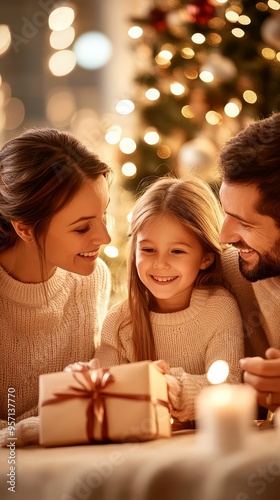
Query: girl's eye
{"points": [[147, 250], [178, 251], [82, 231]]}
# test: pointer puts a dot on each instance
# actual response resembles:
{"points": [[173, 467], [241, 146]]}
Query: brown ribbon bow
{"points": [[92, 383]]}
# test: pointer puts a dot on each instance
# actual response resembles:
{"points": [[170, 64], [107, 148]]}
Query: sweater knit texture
{"points": [[189, 341], [42, 336], [259, 304]]}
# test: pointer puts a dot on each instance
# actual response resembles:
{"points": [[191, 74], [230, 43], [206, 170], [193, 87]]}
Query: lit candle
{"points": [[225, 412]]}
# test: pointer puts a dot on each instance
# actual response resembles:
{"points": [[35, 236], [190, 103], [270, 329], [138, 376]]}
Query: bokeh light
{"points": [[93, 50], [62, 39], [62, 63], [61, 18], [5, 38], [218, 372]]}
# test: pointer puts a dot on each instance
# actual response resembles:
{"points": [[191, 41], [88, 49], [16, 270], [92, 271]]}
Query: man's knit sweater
{"points": [[259, 304], [43, 333], [189, 340]]}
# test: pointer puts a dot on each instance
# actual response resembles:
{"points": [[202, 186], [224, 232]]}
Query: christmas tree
{"points": [[205, 69]]}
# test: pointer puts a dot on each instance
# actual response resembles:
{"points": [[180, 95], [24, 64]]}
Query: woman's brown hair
{"points": [[40, 172]]}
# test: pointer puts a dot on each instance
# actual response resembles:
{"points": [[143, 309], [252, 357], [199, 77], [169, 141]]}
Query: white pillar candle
{"points": [[225, 416], [277, 423]]}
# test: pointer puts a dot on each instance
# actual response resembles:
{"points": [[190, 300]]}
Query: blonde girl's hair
{"points": [[193, 204]]}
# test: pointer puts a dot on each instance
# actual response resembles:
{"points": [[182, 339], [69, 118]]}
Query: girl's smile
{"points": [[168, 260]]}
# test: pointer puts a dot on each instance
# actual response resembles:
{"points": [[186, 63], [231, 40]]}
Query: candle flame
{"points": [[218, 372]]}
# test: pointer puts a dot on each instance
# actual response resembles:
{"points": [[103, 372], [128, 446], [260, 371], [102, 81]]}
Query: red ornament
{"points": [[157, 18], [200, 12]]}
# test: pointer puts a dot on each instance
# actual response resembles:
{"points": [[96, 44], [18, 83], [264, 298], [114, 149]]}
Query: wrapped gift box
{"points": [[124, 403]]}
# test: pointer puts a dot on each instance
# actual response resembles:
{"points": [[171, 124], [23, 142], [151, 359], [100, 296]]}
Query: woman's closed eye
{"points": [[82, 230]]}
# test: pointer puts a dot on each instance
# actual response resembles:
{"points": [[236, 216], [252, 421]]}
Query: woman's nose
{"points": [[102, 236]]}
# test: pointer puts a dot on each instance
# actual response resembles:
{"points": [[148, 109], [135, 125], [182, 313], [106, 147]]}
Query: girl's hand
{"points": [[173, 385], [162, 366], [93, 364], [264, 376], [174, 392]]}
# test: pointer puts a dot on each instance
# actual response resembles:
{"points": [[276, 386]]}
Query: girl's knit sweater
{"points": [[189, 340]]}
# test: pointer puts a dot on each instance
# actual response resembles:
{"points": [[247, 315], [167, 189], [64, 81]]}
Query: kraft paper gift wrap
{"points": [[122, 403]]}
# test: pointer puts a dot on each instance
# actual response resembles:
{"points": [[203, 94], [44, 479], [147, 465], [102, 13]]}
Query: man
{"points": [[250, 195]]}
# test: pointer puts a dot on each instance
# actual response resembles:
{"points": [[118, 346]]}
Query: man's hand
{"points": [[264, 376]]}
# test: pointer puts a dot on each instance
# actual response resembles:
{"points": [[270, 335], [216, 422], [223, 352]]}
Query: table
{"points": [[179, 468]]}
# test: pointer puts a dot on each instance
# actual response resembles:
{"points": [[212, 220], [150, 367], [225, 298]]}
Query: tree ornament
{"points": [[198, 157], [222, 68], [270, 31], [200, 12], [157, 19]]}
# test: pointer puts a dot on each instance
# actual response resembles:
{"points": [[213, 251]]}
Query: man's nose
{"points": [[228, 233]]}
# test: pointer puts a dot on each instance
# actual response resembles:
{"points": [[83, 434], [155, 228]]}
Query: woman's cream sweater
{"points": [[41, 335]]}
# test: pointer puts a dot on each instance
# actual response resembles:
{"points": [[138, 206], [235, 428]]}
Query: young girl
{"points": [[176, 310], [54, 290]]}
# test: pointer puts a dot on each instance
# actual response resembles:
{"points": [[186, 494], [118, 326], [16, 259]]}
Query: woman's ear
{"points": [[207, 260], [24, 231]]}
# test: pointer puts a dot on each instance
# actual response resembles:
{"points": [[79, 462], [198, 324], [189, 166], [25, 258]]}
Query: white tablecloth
{"points": [[179, 468]]}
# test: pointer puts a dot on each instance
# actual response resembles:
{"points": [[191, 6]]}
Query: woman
{"points": [[54, 290]]}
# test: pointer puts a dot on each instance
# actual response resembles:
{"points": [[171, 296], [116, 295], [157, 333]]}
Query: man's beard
{"points": [[267, 267]]}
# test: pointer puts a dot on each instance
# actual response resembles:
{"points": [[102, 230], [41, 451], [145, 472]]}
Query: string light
{"points": [[268, 53], [63, 62], [198, 38], [135, 32], [113, 135], [250, 96], [232, 109], [273, 4], [187, 53], [61, 18], [232, 16], [213, 118], [125, 107], [177, 88], [187, 111], [111, 251], [151, 137], [244, 20], [206, 76], [152, 94], [5, 38], [127, 145], [62, 39], [163, 151], [163, 58], [129, 169], [238, 32]]}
